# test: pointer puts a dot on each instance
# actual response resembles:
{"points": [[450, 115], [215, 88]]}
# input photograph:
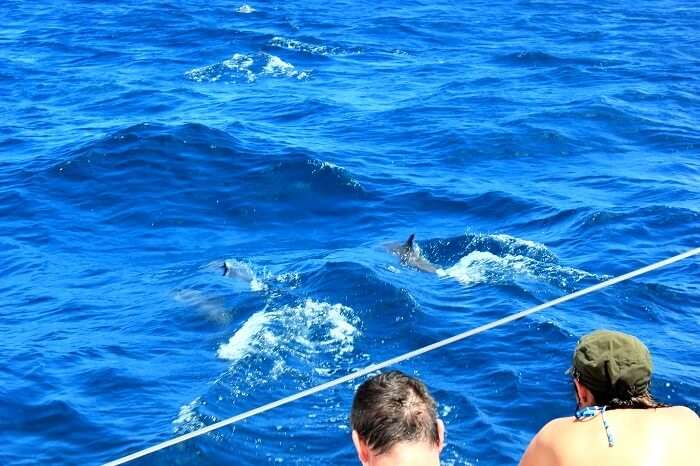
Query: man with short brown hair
{"points": [[617, 421], [394, 422]]}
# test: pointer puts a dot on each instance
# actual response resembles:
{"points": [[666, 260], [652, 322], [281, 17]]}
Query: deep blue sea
{"points": [[534, 147]]}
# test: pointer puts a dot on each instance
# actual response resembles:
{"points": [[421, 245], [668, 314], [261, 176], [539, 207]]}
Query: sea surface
{"points": [[534, 147]]}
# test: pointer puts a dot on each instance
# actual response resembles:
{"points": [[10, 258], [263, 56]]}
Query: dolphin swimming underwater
{"points": [[213, 309], [410, 254]]}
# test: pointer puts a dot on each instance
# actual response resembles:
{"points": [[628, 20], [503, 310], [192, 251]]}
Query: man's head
{"points": [[394, 422], [612, 369]]}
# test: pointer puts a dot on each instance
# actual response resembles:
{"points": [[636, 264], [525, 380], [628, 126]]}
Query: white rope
{"points": [[412, 354]]}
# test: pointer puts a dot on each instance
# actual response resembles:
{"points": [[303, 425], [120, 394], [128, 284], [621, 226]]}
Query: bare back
{"points": [[642, 437]]}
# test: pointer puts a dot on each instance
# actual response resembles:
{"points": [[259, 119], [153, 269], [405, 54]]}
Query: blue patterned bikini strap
{"points": [[592, 411]]}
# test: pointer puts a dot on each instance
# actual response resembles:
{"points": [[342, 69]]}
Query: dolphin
{"points": [[409, 253], [236, 269], [240, 270], [213, 309]]}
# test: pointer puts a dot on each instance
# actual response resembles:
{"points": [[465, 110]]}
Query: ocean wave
{"points": [[323, 168], [492, 204], [602, 111], [540, 58], [658, 225], [161, 175], [351, 277], [246, 68], [51, 421], [650, 216], [500, 259], [503, 244], [563, 217]]}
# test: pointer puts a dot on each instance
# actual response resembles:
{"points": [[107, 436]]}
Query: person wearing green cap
{"points": [[617, 421]]}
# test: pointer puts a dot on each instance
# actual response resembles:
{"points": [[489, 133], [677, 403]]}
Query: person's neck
{"points": [[408, 454]]}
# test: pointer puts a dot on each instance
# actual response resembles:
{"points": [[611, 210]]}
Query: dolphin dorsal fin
{"points": [[409, 241]]}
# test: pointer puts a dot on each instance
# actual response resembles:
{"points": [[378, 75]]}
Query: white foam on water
{"points": [[257, 285], [515, 246], [238, 61], [246, 68], [445, 410], [341, 331], [277, 67], [241, 64], [481, 266], [321, 166], [455, 461], [252, 333], [324, 164], [513, 241], [314, 49], [486, 267], [291, 279], [565, 277], [209, 73], [519, 246], [246, 9], [188, 419], [300, 331]]}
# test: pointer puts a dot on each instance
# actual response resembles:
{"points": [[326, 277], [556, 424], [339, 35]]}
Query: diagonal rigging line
{"points": [[404, 357]]}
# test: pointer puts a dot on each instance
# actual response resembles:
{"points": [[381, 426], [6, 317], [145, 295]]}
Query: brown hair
{"points": [[391, 408], [643, 401], [614, 400]]}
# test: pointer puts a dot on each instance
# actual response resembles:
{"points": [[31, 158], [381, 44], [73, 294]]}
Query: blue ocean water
{"points": [[534, 147]]}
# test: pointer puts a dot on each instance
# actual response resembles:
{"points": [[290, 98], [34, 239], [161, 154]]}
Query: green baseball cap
{"points": [[614, 363]]}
